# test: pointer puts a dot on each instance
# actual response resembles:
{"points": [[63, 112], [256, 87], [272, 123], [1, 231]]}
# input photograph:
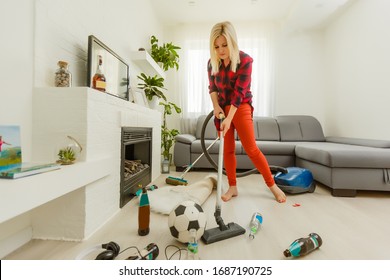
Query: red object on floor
{"points": [[296, 205]]}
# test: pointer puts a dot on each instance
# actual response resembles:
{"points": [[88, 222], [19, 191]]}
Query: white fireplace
{"points": [[75, 201]]}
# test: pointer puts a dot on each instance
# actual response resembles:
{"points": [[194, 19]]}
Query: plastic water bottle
{"points": [[143, 213], [303, 246], [192, 246], [254, 225]]}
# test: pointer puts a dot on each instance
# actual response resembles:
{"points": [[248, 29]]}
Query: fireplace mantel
{"points": [[20, 195], [77, 200]]}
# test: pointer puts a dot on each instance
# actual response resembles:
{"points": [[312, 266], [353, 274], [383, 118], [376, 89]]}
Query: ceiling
{"points": [[303, 14]]}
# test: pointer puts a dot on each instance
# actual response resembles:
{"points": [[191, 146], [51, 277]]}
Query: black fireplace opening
{"points": [[136, 161]]}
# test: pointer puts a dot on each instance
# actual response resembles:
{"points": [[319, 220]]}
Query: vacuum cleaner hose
{"points": [[206, 153], [274, 169]]}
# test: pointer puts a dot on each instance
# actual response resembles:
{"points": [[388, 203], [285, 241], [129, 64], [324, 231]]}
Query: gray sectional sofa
{"points": [[345, 165]]}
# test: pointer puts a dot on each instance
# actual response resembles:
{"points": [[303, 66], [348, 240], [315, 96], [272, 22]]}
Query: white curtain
{"points": [[254, 39]]}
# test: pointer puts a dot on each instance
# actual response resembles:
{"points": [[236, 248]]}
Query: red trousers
{"points": [[243, 123]]}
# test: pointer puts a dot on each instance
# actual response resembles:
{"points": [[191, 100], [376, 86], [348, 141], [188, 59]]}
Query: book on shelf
{"points": [[27, 169], [11, 165]]}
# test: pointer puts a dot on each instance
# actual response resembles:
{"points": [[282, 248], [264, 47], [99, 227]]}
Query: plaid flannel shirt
{"points": [[233, 87]]}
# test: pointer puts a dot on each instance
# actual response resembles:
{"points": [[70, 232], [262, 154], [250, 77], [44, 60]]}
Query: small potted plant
{"points": [[152, 87], [166, 54], [68, 154]]}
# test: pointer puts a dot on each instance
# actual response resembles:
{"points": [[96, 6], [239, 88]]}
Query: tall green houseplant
{"points": [[152, 86], [167, 55], [168, 135]]}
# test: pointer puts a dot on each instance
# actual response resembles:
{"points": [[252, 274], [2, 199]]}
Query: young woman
{"points": [[229, 72]]}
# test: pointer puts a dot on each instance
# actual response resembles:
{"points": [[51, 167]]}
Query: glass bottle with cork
{"points": [[63, 78], [99, 80]]}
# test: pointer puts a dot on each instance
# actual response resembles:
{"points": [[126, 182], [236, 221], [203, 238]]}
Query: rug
{"points": [[164, 199]]}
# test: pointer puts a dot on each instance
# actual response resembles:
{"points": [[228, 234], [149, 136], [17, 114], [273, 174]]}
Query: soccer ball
{"points": [[185, 216]]}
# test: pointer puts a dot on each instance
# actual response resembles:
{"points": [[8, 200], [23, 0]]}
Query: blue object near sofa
{"points": [[345, 165], [295, 180]]}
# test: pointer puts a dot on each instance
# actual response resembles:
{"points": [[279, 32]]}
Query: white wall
{"points": [[300, 76], [340, 74], [29, 54], [16, 71], [358, 45], [62, 29], [35, 35]]}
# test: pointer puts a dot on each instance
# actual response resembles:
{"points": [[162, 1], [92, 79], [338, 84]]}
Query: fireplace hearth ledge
{"points": [[95, 120]]}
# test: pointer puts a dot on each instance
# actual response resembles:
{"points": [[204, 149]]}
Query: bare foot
{"points": [[280, 196], [232, 192]]}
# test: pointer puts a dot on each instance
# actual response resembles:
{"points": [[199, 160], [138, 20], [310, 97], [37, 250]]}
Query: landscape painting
{"points": [[10, 148]]}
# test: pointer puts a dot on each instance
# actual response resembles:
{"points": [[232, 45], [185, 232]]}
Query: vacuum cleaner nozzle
{"points": [[216, 234], [176, 181]]}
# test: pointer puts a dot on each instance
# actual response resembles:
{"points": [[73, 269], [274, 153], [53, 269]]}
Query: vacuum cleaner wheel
{"points": [[298, 189]]}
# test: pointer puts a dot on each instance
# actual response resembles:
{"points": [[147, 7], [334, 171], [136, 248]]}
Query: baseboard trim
{"points": [[15, 241]]}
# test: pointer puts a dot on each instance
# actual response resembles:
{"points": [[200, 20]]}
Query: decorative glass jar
{"points": [[63, 78], [69, 151]]}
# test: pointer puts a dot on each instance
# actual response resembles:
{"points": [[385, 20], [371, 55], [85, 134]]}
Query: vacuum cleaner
{"points": [[295, 180], [222, 231], [292, 180]]}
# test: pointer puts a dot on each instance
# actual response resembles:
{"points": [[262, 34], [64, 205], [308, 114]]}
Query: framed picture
{"points": [[140, 97], [115, 69]]}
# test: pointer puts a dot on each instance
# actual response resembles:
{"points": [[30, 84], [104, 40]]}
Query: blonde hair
{"points": [[227, 30]]}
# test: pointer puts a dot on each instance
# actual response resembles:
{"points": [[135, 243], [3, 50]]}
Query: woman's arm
{"points": [[225, 125], [217, 108]]}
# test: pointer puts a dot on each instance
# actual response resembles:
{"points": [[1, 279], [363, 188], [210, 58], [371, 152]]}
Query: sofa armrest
{"points": [[359, 141], [185, 138]]}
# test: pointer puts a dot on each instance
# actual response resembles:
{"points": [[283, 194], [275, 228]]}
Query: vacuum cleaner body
{"points": [[295, 180]]}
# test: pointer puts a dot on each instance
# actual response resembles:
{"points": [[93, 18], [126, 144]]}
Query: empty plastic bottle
{"points": [[303, 246], [255, 223], [192, 247]]}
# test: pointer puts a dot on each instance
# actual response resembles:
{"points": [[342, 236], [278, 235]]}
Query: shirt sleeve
{"points": [[212, 85], [243, 81]]}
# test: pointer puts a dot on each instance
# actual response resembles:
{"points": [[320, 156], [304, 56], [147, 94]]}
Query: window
{"points": [[195, 99]]}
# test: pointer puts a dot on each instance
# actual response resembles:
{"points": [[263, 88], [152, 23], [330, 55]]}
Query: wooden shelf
{"points": [[147, 63]]}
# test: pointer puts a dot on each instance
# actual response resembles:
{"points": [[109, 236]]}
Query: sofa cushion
{"points": [[266, 129], [359, 141], [300, 128], [196, 147], [185, 138], [343, 156], [275, 148]]}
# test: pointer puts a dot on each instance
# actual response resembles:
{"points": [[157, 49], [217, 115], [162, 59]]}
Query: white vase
{"points": [[154, 102]]}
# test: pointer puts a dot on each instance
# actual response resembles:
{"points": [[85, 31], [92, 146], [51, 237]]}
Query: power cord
{"points": [[131, 247], [178, 250]]}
